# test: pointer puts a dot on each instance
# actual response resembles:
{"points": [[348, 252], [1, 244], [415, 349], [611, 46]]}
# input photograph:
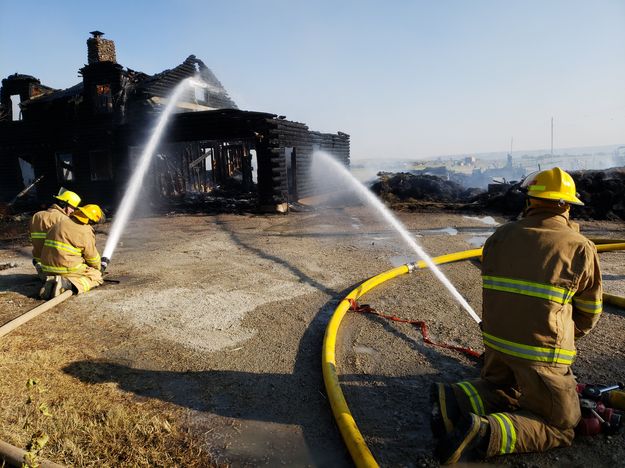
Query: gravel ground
{"points": [[222, 316]]}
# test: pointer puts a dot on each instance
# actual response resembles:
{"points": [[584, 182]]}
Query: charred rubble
{"points": [[87, 137], [406, 187], [603, 192]]}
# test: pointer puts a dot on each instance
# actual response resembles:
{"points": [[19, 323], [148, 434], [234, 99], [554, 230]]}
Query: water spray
{"points": [[371, 199], [134, 184]]}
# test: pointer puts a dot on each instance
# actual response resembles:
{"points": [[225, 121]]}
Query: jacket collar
{"points": [[82, 224], [54, 206], [556, 214]]}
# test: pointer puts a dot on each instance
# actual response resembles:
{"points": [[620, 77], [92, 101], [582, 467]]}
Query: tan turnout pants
{"points": [[86, 279], [530, 408]]}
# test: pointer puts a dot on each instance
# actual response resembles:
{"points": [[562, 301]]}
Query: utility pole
{"points": [[551, 136]]}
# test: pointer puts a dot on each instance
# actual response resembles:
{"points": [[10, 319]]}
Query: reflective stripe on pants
{"points": [[532, 353], [474, 397], [86, 280], [530, 408]]}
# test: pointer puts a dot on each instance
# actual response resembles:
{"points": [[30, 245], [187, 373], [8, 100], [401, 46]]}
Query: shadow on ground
{"points": [[27, 285], [292, 399]]}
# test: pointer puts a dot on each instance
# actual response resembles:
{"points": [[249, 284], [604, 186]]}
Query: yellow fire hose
{"points": [[355, 442]]}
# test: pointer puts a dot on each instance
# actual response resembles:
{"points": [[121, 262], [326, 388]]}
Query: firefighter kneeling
{"points": [[66, 203], [69, 256], [541, 291]]}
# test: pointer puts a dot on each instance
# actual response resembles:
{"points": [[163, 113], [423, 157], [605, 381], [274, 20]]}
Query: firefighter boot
{"points": [[61, 284], [46, 289], [445, 409], [469, 440]]}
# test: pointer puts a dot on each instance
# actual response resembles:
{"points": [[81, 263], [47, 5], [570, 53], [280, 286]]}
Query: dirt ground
{"points": [[217, 324]]}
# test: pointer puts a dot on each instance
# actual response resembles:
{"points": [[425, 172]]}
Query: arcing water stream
{"points": [[134, 185], [324, 166]]}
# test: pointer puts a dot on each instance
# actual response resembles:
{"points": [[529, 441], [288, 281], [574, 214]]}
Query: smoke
{"points": [[480, 170]]}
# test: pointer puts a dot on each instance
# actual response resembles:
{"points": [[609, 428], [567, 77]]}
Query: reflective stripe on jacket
{"points": [[69, 247], [40, 224], [541, 288]]}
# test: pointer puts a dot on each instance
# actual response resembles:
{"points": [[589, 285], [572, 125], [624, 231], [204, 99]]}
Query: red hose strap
{"points": [[367, 309]]}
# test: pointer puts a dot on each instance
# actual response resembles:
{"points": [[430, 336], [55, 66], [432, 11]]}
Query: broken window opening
{"points": [[208, 161], [65, 167], [100, 164], [208, 168], [200, 94], [28, 172], [16, 110], [103, 98], [230, 165], [290, 161], [254, 164]]}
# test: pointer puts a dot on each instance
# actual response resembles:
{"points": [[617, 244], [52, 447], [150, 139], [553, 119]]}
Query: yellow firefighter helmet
{"points": [[88, 214], [69, 197], [552, 184]]}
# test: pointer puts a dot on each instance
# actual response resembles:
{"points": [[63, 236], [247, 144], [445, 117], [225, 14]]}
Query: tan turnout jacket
{"points": [[40, 224], [69, 247], [542, 288]]}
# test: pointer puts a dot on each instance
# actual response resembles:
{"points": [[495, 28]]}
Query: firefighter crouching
{"points": [[69, 256], [541, 291], [42, 221]]}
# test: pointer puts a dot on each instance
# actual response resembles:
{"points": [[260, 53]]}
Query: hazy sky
{"points": [[405, 79]]}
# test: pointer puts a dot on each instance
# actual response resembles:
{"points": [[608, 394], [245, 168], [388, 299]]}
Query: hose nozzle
{"points": [[104, 262]]}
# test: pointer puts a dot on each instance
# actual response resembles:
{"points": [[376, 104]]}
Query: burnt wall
{"points": [[25, 86], [336, 145], [291, 175], [41, 144], [103, 90], [10, 173], [284, 164]]}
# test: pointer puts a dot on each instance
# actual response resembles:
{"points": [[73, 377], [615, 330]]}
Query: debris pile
{"points": [[404, 187], [603, 192], [221, 200]]}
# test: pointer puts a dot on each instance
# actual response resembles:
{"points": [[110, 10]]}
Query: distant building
{"points": [[87, 137]]}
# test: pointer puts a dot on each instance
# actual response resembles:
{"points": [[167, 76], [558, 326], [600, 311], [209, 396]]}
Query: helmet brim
{"points": [[555, 196], [80, 217]]}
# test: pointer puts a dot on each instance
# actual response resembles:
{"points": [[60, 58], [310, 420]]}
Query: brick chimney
{"points": [[100, 50]]}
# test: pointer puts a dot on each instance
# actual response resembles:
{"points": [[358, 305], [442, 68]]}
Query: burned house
{"points": [[87, 137]]}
